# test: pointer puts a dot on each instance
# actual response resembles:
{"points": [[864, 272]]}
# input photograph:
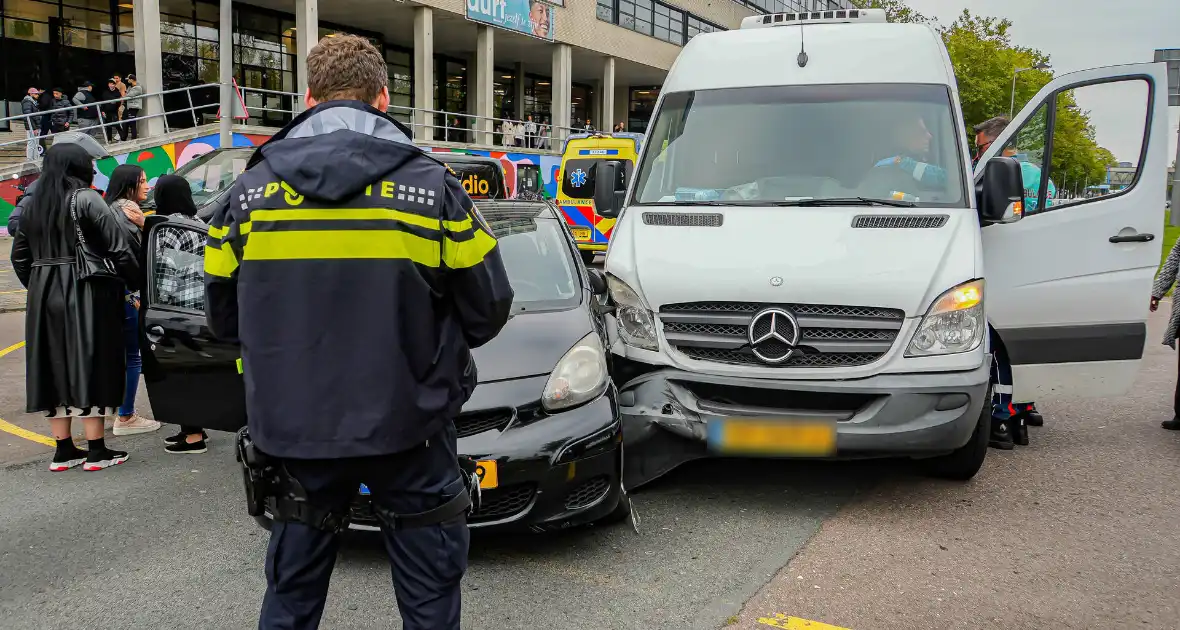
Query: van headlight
{"points": [[955, 323], [580, 376], [635, 322]]}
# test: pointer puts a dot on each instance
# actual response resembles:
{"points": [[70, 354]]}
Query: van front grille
{"points": [[829, 335]]}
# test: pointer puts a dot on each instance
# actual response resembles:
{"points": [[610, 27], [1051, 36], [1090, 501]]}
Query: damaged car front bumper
{"points": [[666, 413]]}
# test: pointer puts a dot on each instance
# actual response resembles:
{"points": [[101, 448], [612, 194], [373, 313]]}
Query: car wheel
{"points": [[621, 512], [588, 257], [964, 462], [263, 522]]}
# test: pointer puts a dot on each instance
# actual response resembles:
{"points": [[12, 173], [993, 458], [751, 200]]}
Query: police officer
{"points": [[357, 276], [1010, 420]]}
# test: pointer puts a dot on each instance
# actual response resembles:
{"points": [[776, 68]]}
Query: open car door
{"points": [[1068, 285], [192, 378]]}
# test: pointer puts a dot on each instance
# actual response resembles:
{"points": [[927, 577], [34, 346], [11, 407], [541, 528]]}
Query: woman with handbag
{"points": [[75, 260], [127, 189]]}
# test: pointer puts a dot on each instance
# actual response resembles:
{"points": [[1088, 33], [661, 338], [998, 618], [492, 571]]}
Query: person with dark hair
{"points": [[179, 284], [87, 117], [128, 188], [134, 104], [61, 118], [112, 110], [74, 360]]}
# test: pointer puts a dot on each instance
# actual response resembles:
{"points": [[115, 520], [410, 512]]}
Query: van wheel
{"points": [[588, 257], [964, 462]]}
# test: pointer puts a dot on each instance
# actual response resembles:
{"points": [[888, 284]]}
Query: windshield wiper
{"points": [[846, 201]]}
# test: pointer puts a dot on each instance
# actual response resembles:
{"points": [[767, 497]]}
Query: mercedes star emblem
{"points": [[773, 334], [776, 281]]}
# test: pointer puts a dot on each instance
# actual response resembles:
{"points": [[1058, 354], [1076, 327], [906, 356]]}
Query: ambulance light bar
{"points": [[875, 16]]}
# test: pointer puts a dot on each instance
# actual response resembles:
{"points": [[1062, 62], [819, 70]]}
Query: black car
{"points": [[543, 421]]}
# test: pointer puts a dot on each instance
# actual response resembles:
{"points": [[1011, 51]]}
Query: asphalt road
{"points": [[1078, 530]]}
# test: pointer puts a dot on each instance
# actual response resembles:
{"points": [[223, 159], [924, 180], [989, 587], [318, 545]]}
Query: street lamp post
{"points": [[1012, 106]]}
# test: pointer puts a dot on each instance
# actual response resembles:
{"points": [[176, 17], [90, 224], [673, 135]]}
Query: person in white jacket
{"points": [[507, 133]]}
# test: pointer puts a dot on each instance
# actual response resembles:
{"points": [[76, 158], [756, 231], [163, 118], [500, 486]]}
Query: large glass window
{"points": [[504, 94], [641, 104], [796, 144], [401, 82], [659, 20]]}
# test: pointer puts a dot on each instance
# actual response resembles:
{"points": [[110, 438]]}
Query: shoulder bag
{"points": [[88, 265]]}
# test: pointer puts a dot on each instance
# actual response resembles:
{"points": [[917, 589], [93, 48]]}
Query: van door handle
{"points": [[1132, 238], [155, 334]]}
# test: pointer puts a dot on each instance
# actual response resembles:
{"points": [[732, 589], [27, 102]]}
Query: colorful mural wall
{"points": [[155, 161]]}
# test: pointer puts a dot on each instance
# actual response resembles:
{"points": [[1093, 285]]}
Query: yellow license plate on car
{"points": [[769, 437], [581, 234], [489, 473]]}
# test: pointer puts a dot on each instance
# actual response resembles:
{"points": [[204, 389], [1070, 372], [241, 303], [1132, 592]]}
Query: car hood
{"points": [[531, 344], [805, 255]]}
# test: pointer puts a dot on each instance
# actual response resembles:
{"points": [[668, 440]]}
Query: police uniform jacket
{"points": [[357, 275]]}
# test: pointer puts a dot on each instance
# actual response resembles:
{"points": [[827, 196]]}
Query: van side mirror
{"points": [[610, 185], [597, 281], [1000, 192]]}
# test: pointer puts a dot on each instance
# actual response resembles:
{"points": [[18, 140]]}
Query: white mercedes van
{"points": [[806, 263]]}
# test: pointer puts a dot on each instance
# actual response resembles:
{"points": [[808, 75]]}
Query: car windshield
{"points": [[795, 145], [210, 174], [540, 265]]}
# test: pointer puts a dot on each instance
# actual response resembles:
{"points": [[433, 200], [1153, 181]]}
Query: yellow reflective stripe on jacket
{"points": [[458, 226], [468, 253], [345, 214], [220, 232], [220, 261], [340, 244]]}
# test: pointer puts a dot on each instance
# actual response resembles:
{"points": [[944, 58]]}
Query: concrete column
{"points": [[519, 97], [622, 106], [149, 65], [307, 35], [562, 80], [423, 73], [226, 72], [485, 56], [606, 96]]}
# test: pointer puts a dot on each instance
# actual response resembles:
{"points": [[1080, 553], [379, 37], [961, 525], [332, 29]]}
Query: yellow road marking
{"points": [[8, 427], [16, 291], [780, 620]]}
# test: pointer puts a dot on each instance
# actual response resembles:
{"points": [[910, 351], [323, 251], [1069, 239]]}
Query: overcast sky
{"points": [[1080, 34]]}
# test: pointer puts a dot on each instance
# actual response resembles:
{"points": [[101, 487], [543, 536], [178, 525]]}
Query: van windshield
{"points": [[795, 144]]}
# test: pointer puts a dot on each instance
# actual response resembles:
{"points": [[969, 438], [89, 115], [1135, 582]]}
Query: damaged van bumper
{"points": [[666, 413]]}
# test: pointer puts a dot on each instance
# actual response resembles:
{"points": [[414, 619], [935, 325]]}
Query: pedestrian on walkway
{"points": [[45, 103], [179, 284], [507, 133], [543, 133], [134, 105], [373, 398], [87, 116], [1164, 283], [74, 359], [29, 106], [518, 129], [530, 133], [128, 189], [61, 117], [111, 111]]}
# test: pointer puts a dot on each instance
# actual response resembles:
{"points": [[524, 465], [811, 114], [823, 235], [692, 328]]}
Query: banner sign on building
{"points": [[531, 17]]}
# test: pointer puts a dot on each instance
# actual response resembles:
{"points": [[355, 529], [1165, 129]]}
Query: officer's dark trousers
{"points": [[427, 562]]}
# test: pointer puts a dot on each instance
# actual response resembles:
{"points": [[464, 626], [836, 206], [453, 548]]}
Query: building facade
{"points": [[561, 61]]}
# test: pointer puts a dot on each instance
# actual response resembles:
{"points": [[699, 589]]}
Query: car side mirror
{"points": [[1000, 192], [597, 281], [610, 185]]}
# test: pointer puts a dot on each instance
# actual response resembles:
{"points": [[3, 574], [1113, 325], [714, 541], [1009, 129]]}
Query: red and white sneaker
{"points": [[104, 459], [66, 461]]}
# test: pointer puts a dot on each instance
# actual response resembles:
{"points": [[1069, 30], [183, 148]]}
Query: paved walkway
{"points": [[12, 294]]}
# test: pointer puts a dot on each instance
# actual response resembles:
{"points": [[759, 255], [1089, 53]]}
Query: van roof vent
{"points": [[683, 219], [899, 221], [874, 16]]}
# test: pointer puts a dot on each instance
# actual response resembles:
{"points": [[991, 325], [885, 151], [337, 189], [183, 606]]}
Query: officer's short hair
{"points": [[345, 67], [992, 127]]}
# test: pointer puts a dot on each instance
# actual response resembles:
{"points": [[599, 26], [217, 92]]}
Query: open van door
{"points": [[192, 377], [1068, 285]]}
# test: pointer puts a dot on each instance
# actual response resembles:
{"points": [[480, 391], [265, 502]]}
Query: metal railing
{"points": [[455, 127], [105, 129], [428, 125]]}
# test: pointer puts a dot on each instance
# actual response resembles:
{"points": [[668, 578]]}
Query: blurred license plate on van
{"points": [[772, 437], [581, 234]]}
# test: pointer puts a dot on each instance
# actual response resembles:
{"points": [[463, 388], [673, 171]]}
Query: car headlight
{"points": [[580, 376], [635, 323], [955, 323]]}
